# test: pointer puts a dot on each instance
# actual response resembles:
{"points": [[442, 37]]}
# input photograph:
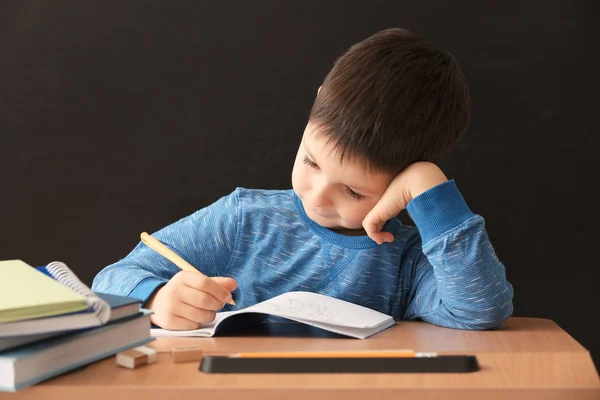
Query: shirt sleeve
{"points": [[458, 281], [205, 239]]}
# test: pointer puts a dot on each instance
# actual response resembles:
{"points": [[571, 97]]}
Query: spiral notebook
{"points": [[27, 294], [55, 278]]}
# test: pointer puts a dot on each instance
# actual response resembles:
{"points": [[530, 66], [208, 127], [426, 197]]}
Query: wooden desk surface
{"points": [[527, 359]]}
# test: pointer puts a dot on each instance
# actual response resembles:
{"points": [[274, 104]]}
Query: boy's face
{"points": [[336, 196]]}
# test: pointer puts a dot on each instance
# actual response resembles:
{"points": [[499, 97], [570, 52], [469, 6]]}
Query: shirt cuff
{"points": [[146, 288], [438, 210]]}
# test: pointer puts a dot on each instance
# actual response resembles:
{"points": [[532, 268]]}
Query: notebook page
{"points": [[314, 307]]}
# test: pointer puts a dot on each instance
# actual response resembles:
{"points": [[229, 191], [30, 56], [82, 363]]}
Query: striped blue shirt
{"points": [[443, 270]]}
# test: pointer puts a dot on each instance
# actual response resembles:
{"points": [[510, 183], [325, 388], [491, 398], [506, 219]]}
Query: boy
{"points": [[389, 108]]}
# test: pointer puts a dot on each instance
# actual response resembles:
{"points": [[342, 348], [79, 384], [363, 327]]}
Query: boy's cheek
{"points": [[354, 216], [296, 180], [300, 181]]}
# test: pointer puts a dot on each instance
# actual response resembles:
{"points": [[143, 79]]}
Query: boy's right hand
{"points": [[188, 300]]}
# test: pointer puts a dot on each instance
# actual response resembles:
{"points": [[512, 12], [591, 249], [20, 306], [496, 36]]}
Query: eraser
{"points": [[136, 357], [186, 354]]}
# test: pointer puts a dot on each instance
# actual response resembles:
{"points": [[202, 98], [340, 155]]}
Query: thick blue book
{"points": [[46, 359], [121, 307]]}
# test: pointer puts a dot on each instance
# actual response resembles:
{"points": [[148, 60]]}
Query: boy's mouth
{"points": [[323, 214]]}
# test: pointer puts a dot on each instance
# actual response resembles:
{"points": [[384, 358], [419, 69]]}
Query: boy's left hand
{"points": [[414, 180]]}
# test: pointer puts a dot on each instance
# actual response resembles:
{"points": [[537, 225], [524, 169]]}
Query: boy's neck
{"points": [[350, 232]]}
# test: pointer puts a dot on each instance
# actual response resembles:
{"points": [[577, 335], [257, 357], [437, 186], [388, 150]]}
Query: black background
{"points": [[122, 117]]}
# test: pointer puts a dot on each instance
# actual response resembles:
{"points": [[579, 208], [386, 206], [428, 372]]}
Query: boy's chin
{"points": [[335, 224]]}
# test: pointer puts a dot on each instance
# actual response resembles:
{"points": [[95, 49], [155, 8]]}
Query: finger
{"points": [[195, 314], [177, 323], [228, 283], [381, 237], [205, 284], [199, 299], [374, 231], [384, 210], [373, 226], [385, 237]]}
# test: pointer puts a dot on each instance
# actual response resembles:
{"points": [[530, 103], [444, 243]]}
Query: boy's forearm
{"points": [[127, 280], [469, 282], [137, 275], [204, 239]]}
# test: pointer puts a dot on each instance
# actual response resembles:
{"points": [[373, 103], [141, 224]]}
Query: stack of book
{"points": [[52, 323]]}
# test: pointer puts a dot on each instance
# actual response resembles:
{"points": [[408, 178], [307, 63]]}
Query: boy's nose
{"points": [[320, 197], [320, 202]]}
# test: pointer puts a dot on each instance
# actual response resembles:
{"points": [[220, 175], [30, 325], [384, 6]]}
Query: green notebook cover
{"points": [[26, 293]]}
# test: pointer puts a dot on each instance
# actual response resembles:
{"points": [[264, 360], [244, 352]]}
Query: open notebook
{"points": [[313, 309]]}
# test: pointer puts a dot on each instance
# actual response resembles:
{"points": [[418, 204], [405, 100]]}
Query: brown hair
{"points": [[391, 100]]}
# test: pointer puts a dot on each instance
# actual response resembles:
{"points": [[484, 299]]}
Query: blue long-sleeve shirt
{"points": [[443, 271]]}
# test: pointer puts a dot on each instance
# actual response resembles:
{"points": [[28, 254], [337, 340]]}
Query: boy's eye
{"points": [[354, 195], [310, 163]]}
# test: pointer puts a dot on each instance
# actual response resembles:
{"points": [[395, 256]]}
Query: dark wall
{"points": [[122, 117]]}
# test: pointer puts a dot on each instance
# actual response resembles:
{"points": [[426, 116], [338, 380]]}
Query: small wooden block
{"points": [[186, 354], [136, 357]]}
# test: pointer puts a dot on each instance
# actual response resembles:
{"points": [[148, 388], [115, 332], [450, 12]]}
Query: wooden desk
{"points": [[527, 359]]}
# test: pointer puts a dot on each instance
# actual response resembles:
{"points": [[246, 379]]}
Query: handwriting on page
{"points": [[307, 309], [307, 306]]}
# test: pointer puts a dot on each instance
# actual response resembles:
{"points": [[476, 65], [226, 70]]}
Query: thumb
{"points": [[228, 283]]}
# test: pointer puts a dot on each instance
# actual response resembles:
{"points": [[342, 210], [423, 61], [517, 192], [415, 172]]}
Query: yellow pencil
{"points": [[169, 254], [334, 354]]}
